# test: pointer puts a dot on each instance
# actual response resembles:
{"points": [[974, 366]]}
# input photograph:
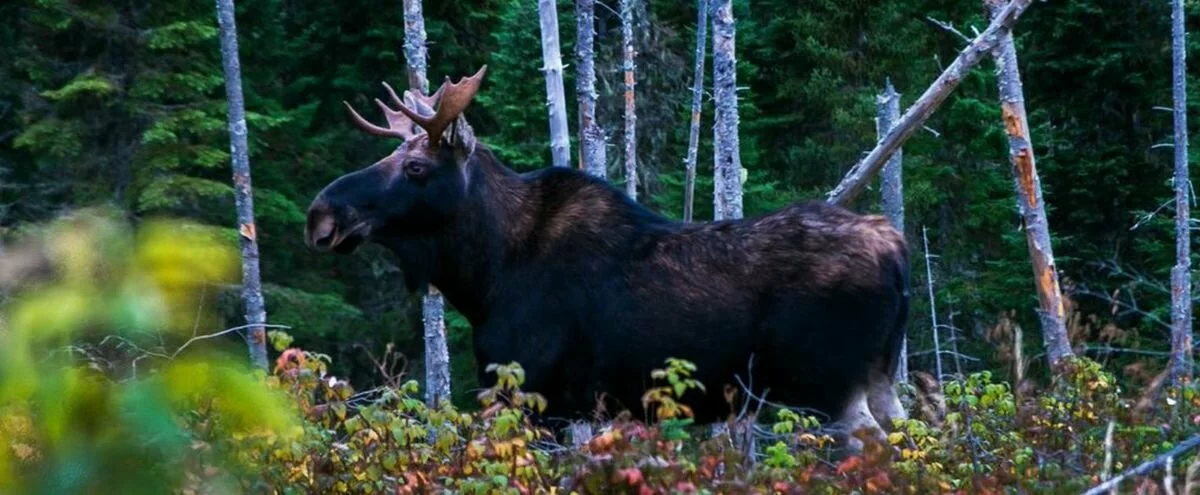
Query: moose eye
{"points": [[416, 169]]}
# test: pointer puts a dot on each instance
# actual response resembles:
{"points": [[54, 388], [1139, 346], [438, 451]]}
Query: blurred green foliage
{"points": [[71, 428]]}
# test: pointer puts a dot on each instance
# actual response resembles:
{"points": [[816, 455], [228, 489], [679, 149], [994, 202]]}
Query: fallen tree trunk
{"points": [[979, 48]]}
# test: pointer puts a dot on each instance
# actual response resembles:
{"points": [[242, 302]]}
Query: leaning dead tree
{"points": [[1181, 280], [243, 192], [433, 306], [628, 65], [887, 106], [727, 160], [1030, 201], [689, 192], [592, 152], [560, 146], [860, 175]]}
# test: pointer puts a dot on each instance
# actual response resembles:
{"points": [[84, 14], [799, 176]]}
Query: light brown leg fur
{"points": [[883, 401], [857, 416]]}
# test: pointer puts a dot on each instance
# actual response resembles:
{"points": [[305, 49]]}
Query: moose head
{"points": [[416, 188]]}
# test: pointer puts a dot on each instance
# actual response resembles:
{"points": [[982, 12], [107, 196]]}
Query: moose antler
{"points": [[399, 125], [450, 100]]}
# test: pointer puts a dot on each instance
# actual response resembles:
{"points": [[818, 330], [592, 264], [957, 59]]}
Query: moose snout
{"points": [[321, 228]]}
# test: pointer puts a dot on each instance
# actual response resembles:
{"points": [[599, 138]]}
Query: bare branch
{"points": [[222, 332], [948, 27]]}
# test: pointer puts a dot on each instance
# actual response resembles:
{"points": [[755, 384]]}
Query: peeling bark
{"points": [[593, 157], [1029, 193], [433, 313], [631, 176], [887, 106], [560, 146], [416, 56], [1181, 279], [929, 101], [689, 194], [243, 190], [727, 160]]}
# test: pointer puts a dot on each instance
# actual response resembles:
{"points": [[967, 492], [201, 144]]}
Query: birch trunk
{"points": [[859, 175], [887, 106], [1181, 280], [689, 194], [1030, 202], [631, 177], [727, 160], [560, 146], [433, 312], [592, 154], [243, 191]]}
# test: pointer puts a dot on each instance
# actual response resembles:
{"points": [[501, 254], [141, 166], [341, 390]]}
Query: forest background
{"points": [[122, 103]]}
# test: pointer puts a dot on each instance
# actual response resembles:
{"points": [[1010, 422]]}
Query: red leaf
{"points": [[850, 464]]}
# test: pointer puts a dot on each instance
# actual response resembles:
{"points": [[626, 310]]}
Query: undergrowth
{"points": [[201, 422]]}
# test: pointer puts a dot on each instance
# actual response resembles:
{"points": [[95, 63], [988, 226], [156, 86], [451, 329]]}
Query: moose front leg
{"points": [[543, 363]]}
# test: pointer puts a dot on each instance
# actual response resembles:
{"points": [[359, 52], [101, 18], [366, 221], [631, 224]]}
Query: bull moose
{"points": [[589, 291]]}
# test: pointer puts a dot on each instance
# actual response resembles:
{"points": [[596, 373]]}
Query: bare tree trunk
{"points": [[689, 194], [937, 344], [887, 107], [859, 175], [437, 351], [727, 160], [592, 154], [1029, 197], [415, 54], [631, 177], [243, 191], [433, 307], [727, 163], [1181, 280], [560, 146]]}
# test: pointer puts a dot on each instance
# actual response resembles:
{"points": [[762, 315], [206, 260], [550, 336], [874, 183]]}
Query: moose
{"points": [[589, 290]]}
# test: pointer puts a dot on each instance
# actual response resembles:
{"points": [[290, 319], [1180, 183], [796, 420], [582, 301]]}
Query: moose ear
{"points": [[461, 138]]}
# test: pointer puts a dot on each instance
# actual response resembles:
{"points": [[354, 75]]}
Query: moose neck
{"points": [[464, 260]]}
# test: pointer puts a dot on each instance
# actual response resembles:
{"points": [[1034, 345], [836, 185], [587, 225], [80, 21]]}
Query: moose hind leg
{"points": [[883, 401], [856, 416]]}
